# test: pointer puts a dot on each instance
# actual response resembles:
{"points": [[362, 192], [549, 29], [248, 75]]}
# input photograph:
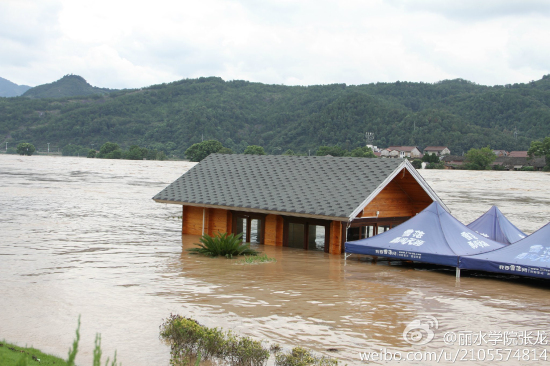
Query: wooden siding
{"points": [[191, 222], [273, 230], [403, 196], [335, 246], [215, 220]]}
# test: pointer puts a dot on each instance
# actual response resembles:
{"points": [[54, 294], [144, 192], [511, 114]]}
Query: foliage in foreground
{"points": [[188, 339], [227, 245], [19, 356], [12, 355], [301, 357]]}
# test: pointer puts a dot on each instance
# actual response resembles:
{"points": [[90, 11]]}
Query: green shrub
{"points": [[302, 357], [25, 148], [417, 163], [188, 339], [227, 245], [527, 168]]}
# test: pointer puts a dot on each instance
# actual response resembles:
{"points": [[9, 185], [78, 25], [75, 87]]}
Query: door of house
{"points": [[250, 225]]}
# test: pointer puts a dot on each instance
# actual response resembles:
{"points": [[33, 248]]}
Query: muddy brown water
{"points": [[83, 237]]}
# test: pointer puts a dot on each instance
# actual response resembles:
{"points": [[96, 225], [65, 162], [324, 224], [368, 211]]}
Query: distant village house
{"points": [[401, 152], [437, 150]]}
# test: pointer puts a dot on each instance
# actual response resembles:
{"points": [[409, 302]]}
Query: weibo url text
{"points": [[459, 355]]}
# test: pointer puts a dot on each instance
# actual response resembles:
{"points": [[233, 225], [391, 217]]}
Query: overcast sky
{"points": [[128, 44]]}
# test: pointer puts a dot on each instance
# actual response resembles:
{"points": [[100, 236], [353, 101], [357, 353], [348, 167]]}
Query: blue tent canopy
{"points": [[495, 226], [432, 236], [527, 257]]}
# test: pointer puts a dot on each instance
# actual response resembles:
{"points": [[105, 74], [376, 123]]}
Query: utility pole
{"points": [[6, 147], [48, 148]]}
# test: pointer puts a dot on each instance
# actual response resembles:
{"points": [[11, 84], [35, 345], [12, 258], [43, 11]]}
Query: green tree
{"points": [[289, 152], [431, 158], [362, 152], [108, 148], [417, 163], [331, 150], [225, 150], [201, 150], [91, 153], [254, 150], [25, 148], [480, 159], [541, 148], [135, 153]]}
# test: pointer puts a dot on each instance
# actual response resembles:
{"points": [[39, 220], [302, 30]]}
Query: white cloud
{"points": [[120, 44]]}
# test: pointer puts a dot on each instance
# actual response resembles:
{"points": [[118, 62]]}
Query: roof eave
{"points": [[256, 210]]}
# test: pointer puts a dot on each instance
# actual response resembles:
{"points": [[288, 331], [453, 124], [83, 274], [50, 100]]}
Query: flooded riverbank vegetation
{"points": [[191, 342], [12, 355], [224, 245], [255, 259]]}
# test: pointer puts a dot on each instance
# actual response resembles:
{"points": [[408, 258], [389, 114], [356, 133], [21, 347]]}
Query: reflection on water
{"points": [[82, 236]]}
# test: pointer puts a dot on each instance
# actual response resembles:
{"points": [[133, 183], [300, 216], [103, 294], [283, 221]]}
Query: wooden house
{"points": [[308, 202]]}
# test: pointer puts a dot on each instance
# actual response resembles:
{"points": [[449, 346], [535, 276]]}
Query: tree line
{"points": [[173, 117]]}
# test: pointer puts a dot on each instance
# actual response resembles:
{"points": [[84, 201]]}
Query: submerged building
{"points": [[309, 202]]}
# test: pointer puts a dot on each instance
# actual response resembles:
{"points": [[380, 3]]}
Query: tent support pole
{"points": [[457, 273]]}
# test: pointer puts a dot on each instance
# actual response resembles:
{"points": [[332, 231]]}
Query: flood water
{"points": [[83, 237]]}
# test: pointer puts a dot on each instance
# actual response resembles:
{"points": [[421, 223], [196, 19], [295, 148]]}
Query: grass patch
{"points": [[255, 259], [12, 355], [226, 245]]}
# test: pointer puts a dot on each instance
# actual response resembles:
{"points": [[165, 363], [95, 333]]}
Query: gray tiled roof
{"points": [[313, 185]]}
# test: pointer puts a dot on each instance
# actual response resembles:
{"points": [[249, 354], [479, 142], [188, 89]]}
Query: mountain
{"points": [[171, 117], [9, 89], [67, 86]]}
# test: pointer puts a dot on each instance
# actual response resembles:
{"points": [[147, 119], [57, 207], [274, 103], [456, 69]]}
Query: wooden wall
{"points": [[215, 220], [273, 230], [403, 196], [336, 242]]}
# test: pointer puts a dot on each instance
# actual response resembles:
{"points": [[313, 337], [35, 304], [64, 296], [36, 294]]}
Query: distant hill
{"points": [[66, 87], [171, 117], [9, 89]]}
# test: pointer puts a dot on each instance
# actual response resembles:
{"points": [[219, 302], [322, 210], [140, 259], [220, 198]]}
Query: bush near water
{"points": [[190, 341]]}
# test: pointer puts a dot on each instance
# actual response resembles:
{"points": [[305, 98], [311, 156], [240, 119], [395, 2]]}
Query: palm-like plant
{"points": [[227, 245]]}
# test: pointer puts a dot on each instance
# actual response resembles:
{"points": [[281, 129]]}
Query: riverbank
{"points": [[11, 355]]}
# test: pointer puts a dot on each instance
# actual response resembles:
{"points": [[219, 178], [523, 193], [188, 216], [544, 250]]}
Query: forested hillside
{"points": [[66, 87], [171, 117]]}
